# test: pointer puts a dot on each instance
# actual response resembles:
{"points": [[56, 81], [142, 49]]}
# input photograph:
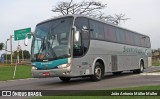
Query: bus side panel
{"points": [[85, 65], [99, 50], [149, 61], [128, 58], [82, 66], [135, 62], [124, 63], [145, 59]]}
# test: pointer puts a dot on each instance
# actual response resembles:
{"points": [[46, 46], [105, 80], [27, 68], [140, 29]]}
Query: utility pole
{"points": [[6, 50], [18, 49], [11, 36], [22, 55]]}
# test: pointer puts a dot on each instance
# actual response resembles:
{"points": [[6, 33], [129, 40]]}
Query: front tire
{"points": [[98, 72], [65, 79]]}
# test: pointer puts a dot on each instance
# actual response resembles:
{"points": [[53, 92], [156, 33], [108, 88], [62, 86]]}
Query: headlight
{"points": [[34, 68], [64, 65]]}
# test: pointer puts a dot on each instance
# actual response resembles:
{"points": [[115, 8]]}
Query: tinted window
{"points": [[110, 33], [120, 35], [98, 31], [147, 42], [142, 39], [129, 38], [137, 39]]}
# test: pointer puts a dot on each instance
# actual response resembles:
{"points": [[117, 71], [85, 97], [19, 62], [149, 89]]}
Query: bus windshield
{"points": [[52, 40]]}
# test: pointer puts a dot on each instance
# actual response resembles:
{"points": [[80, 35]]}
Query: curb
{"points": [[19, 79], [156, 73]]}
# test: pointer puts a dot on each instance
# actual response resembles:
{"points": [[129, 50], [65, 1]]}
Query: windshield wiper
{"points": [[49, 45]]}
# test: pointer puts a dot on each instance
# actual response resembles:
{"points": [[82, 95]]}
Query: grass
{"points": [[155, 63], [6, 72], [81, 96], [156, 71]]}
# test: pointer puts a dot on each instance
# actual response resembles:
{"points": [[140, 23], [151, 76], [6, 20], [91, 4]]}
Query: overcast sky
{"points": [[18, 14]]}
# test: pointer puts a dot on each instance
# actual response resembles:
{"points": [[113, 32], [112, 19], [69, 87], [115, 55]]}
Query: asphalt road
{"points": [[110, 81]]}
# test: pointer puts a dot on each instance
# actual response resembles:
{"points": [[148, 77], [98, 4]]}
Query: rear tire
{"points": [[140, 70], [65, 79], [98, 72]]}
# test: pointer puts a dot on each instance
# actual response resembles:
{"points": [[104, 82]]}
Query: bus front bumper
{"points": [[65, 72]]}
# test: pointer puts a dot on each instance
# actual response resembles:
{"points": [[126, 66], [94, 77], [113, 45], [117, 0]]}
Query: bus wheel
{"points": [[65, 79], [97, 72], [140, 70]]}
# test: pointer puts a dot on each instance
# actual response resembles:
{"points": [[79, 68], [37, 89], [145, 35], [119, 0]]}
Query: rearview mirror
{"points": [[26, 40], [76, 36]]}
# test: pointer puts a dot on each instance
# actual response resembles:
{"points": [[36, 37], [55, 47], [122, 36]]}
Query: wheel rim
{"points": [[98, 72], [141, 68]]}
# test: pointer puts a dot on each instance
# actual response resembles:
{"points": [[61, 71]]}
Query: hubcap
{"points": [[98, 72], [141, 68]]}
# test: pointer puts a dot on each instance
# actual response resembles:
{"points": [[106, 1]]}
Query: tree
{"points": [[1, 46], [89, 8], [26, 54]]}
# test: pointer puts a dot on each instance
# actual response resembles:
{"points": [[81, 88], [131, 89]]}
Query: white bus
{"points": [[79, 46]]}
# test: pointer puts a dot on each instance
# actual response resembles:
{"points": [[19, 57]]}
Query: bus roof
{"points": [[80, 15]]}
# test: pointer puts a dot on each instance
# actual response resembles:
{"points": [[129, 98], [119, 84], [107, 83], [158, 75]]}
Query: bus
{"points": [[80, 46]]}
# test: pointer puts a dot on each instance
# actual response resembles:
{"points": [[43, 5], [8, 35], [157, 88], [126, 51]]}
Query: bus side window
{"points": [[137, 39], [120, 35], [148, 44], [98, 28], [128, 38], [110, 33]]}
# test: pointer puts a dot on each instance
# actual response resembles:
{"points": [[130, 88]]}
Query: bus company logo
{"points": [[132, 50], [6, 93], [147, 52]]}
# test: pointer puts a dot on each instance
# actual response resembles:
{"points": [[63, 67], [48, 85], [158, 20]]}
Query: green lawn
{"points": [[155, 63], [6, 72], [156, 71]]}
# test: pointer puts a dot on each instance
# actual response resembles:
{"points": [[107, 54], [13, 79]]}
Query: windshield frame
{"points": [[50, 22]]}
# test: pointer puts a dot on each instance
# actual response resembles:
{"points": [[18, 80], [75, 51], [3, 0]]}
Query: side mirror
{"points": [[26, 40], [76, 36], [74, 29]]}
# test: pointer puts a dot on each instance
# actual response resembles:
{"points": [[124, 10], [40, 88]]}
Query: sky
{"points": [[18, 14]]}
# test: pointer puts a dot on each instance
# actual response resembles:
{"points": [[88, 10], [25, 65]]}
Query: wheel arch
{"points": [[141, 60], [101, 61]]}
